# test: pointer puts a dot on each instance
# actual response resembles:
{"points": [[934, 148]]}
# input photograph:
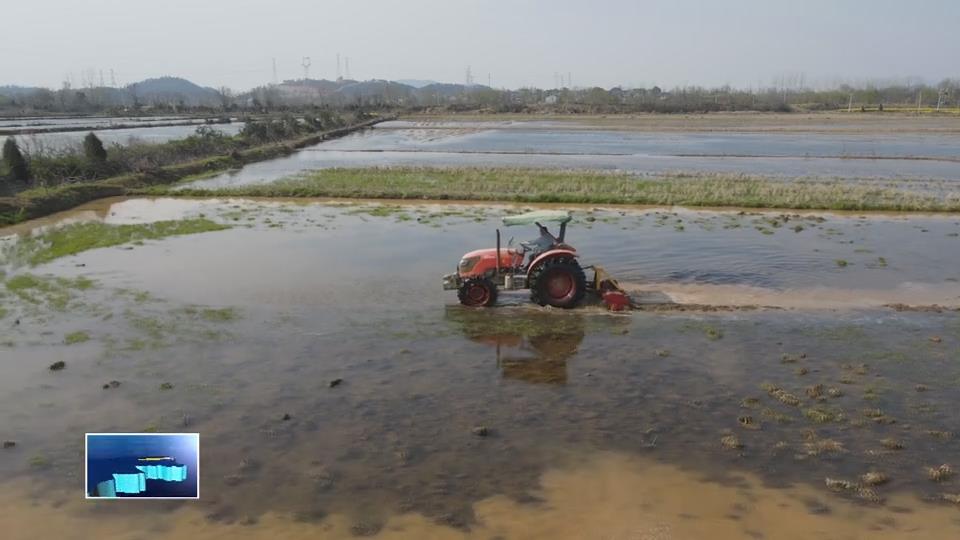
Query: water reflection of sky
{"points": [[785, 155], [151, 135]]}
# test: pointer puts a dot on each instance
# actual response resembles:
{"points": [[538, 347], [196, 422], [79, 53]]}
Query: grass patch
{"points": [[76, 337], [55, 292], [549, 186], [219, 315], [79, 237], [226, 314], [39, 462], [823, 415]]}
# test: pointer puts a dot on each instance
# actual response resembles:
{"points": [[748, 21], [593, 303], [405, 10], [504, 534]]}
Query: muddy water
{"points": [[660, 425], [863, 157], [606, 496]]}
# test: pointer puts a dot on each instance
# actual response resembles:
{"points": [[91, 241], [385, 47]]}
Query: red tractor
{"points": [[546, 265]]}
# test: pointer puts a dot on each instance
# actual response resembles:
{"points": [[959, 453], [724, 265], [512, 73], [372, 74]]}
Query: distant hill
{"points": [[387, 90], [173, 90], [445, 90], [176, 91], [416, 83], [162, 90], [14, 91]]}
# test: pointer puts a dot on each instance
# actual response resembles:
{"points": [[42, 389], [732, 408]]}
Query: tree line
{"points": [[385, 94], [24, 169]]}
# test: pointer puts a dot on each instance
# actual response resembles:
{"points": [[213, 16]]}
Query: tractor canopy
{"points": [[540, 216]]}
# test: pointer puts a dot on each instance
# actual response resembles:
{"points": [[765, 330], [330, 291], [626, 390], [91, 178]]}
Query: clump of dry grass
{"points": [[731, 442], [941, 473], [891, 444], [874, 478]]}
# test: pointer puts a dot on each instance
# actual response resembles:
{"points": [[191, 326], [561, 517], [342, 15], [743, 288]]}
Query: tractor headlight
{"points": [[467, 264]]}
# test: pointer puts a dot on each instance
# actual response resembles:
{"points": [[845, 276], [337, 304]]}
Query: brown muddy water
{"points": [[802, 419]]}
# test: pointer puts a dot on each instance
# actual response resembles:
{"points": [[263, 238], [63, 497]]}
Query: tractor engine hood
{"points": [[479, 262]]}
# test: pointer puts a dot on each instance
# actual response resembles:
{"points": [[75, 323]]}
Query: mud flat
{"points": [[605, 496], [789, 421]]}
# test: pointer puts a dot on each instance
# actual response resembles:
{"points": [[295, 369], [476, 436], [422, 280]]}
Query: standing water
{"points": [[780, 417]]}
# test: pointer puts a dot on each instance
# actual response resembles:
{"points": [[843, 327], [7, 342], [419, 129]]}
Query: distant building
{"points": [[551, 99]]}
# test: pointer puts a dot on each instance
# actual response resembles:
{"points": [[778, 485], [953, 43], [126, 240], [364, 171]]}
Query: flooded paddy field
{"points": [[67, 122], [908, 156], [57, 141], [339, 392]]}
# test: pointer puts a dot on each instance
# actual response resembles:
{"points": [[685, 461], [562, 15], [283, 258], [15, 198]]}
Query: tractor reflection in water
{"points": [[533, 348]]}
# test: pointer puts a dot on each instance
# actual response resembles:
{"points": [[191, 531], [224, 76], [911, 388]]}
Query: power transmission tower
{"points": [[339, 74], [113, 79], [306, 67], [274, 71]]}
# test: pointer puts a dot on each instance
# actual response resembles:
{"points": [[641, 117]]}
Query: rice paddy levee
{"points": [[591, 187]]}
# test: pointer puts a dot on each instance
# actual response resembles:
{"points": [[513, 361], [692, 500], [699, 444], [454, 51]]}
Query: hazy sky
{"points": [[744, 43]]}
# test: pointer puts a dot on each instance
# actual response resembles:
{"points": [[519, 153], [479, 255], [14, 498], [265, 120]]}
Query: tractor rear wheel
{"points": [[559, 283], [477, 292]]}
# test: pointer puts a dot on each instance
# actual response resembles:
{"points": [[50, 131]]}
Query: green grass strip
{"points": [[75, 238], [554, 186]]}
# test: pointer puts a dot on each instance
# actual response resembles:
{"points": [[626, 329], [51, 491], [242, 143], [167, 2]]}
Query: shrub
{"points": [[93, 148], [13, 159]]}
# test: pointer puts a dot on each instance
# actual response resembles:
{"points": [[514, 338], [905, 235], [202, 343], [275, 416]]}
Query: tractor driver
{"points": [[544, 242]]}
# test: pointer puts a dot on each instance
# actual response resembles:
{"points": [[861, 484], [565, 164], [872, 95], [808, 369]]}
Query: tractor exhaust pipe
{"points": [[498, 253]]}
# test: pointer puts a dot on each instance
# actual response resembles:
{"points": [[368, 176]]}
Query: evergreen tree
{"points": [[14, 160], [93, 148]]}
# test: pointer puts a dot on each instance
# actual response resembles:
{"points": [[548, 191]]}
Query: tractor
{"points": [[546, 265]]}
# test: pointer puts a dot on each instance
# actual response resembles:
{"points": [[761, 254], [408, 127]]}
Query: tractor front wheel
{"points": [[559, 283], [477, 292]]}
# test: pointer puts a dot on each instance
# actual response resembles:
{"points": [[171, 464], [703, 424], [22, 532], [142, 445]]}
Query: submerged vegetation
{"points": [[57, 293], [553, 186], [79, 237]]}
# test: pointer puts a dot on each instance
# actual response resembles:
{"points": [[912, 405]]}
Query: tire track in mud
{"points": [[663, 297]]}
